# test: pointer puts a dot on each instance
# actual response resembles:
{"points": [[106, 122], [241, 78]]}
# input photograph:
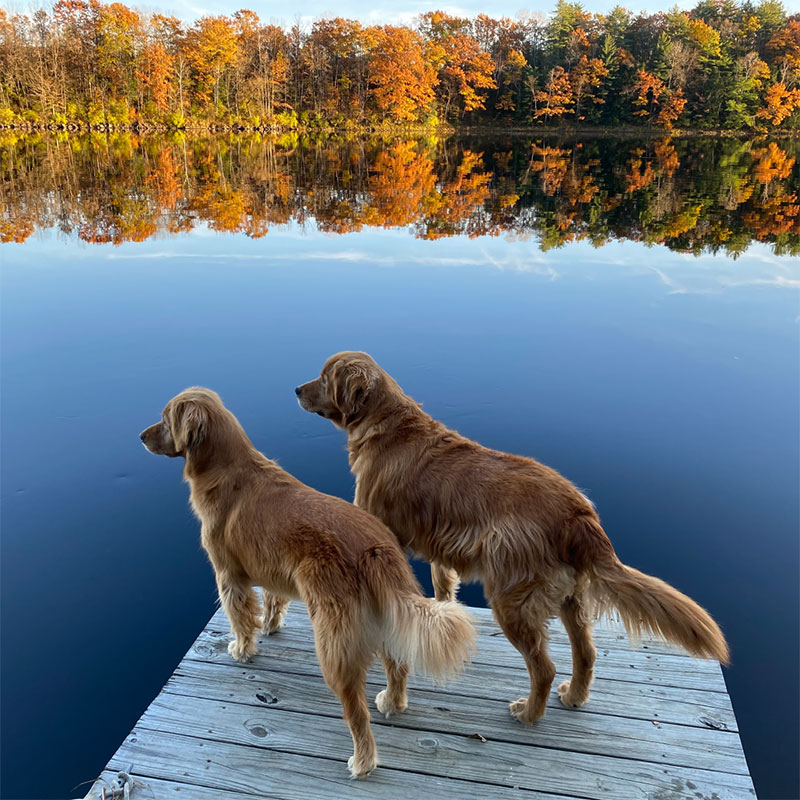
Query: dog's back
{"points": [[453, 500]]}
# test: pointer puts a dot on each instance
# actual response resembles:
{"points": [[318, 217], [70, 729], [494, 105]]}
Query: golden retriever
{"points": [[263, 527], [521, 528]]}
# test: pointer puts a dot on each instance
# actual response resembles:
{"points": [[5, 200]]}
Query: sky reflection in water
{"points": [[664, 385]]}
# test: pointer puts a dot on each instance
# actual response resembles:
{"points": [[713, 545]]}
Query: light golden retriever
{"points": [[525, 531], [263, 527]]}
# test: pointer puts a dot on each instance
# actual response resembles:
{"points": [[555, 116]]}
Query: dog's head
{"points": [[346, 389], [184, 424]]}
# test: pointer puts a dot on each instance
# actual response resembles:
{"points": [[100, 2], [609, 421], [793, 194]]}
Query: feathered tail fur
{"points": [[647, 604], [428, 635]]}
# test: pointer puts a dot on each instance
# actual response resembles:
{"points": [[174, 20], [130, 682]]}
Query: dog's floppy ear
{"points": [[352, 386], [189, 424]]}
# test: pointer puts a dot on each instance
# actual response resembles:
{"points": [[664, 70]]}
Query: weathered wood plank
{"points": [[434, 711], [502, 764], [689, 707], [274, 775]]}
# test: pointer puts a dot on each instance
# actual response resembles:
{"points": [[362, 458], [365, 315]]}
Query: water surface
{"points": [[663, 383]]}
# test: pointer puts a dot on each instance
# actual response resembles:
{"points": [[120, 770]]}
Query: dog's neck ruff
{"points": [[375, 429]]}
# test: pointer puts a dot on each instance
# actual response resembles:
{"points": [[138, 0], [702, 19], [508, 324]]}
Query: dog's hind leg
{"points": [[393, 699], [344, 659], [445, 581], [241, 606], [521, 614], [575, 692], [275, 608]]}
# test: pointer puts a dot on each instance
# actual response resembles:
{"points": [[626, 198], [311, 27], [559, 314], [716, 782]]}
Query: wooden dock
{"points": [[659, 725]]}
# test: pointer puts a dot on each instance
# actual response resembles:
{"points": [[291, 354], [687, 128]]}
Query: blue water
{"points": [[665, 386]]}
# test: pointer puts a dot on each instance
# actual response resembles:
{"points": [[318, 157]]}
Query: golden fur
{"points": [[518, 526], [263, 527]]}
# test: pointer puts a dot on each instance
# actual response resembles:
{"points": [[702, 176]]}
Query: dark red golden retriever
{"points": [[521, 528]]}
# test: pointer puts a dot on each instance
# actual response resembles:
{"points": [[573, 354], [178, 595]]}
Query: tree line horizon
{"points": [[724, 65]]}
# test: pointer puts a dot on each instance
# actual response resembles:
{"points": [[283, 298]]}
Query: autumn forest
{"points": [[724, 65]]}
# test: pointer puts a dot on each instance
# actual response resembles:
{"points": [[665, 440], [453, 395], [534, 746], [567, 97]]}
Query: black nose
{"points": [[141, 435], [298, 391]]}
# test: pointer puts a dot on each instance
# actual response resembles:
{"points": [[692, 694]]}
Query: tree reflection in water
{"points": [[691, 195]]}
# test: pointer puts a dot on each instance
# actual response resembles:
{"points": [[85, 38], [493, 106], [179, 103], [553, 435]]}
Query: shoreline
{"points": [[217, 129]]}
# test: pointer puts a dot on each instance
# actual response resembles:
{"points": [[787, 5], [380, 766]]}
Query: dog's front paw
{"points": [[362, 767], [241, 651], [387, 706]]}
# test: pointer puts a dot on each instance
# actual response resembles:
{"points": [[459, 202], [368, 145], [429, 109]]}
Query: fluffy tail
{"points": [[431, 636], [647, 604]]}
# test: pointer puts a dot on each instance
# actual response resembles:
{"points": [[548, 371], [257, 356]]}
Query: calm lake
{"points": [[625, 311]]}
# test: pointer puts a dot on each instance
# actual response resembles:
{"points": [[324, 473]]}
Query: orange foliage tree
{"points": [[154, 74], [402, 80], [784, 48], [557, 97], [211, 46], [118, 29], [464, 70], [654, 101], [780, 103], [586, 79]]}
